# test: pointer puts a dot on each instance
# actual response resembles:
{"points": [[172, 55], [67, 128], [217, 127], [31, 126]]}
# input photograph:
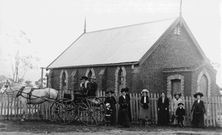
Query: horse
{"points": [[28, 95]]}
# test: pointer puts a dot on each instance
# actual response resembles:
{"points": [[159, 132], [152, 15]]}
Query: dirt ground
{"points": [[33, 128]]}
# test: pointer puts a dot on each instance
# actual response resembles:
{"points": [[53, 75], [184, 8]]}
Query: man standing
{"points": [[93, 87]]}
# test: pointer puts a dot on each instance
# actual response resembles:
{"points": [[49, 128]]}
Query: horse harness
{"points": [[20, 91], [29, 94]]}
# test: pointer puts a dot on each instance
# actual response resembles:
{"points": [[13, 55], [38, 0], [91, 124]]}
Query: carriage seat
{"points": [[67, 96]]}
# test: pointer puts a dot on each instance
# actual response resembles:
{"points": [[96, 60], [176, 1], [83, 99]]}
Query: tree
{"points": [[38, 83], [28, 83], [2, 80], [20, 66], [20, 54]]}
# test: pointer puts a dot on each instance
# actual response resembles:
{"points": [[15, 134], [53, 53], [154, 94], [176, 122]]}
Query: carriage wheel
{"points": [[57, 112], [64, 112], [92, 112], [72, 113]]}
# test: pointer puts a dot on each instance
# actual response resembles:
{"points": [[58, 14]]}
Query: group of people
{"points": [[163, 109], [124, 113], [178, 110], [88, 86], [164, 105]]}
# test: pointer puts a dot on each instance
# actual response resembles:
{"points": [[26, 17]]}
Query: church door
{"points": [[176, 86]]}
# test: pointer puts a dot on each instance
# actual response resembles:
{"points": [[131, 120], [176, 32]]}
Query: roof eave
{"points": [[65, 50], [98, 65]]}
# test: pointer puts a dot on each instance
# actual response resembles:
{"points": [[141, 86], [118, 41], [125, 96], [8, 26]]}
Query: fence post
{"points": [[155, 107], [209, 110], [214, 111]]}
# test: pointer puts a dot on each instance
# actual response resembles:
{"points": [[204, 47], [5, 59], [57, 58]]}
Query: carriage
{"points": [[82, 109]]}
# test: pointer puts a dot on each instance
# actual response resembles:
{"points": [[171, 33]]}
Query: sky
{"points": [[44, 28]]}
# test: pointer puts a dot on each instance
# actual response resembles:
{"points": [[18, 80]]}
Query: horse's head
{"points": [[4, 88]]}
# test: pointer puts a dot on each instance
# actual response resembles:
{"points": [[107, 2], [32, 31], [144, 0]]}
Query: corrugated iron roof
{"points": [[116, 45]]}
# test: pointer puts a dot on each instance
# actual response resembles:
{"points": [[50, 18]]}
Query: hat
{"points": [[92, 77], [179, 94], [126, 89], [198, 93], [180, 104], [123, 90], [109, 91], [145, 90], [84, 78]]}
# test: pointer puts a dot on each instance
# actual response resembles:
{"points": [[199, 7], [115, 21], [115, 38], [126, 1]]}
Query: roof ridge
{"points": [[125, 26]]}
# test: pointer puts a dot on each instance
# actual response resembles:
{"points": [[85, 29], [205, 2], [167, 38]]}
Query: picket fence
{"points": [[11, 109]]}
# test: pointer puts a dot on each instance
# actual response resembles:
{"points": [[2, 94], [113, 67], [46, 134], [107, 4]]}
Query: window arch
{"points": [[74, 80], [120, 79], [204, 83], [50, 78], [90, 73], [63, 79], [63, 82]]}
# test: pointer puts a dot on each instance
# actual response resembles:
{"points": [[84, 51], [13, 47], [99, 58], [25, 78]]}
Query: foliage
{"points": [[38, 83], [20, 67], [28, 83]]}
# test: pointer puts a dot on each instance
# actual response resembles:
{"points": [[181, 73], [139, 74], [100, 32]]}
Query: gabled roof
{"points": [[127, 44]]}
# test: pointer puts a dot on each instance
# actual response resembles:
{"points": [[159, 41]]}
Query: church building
{"points": [[162, 56]]}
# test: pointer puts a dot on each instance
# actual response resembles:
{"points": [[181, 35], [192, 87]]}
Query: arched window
{"points": [[63, 83], [49, 79], [120, 81], [90, 73], [203, 83], [75, 80], [63, 79]]}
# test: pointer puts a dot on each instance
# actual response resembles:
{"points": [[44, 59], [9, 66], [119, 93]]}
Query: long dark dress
{"points": [[92, 89], [112, 101], [123, 114], [163, 111], [198, 110], [129, 111]]}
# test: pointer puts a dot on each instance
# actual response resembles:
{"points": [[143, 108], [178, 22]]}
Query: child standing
{"points": [[110, 103], [180, 113]]}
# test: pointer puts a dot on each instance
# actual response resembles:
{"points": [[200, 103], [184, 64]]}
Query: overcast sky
{"points": [[44, 28]]}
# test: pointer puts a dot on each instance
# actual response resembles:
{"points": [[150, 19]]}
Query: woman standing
{"points": [[163, 110], [110, 99], [123, 114], [144, 106], [129, 109], [198, 110]]}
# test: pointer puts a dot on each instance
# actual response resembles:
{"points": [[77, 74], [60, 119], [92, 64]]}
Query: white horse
{"points": [[29, 95]]}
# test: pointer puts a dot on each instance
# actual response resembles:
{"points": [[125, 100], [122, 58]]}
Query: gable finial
{"points": [[180, 13], [84, 26]]}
